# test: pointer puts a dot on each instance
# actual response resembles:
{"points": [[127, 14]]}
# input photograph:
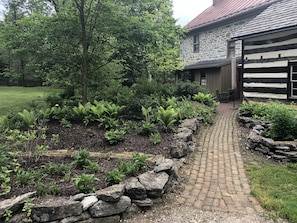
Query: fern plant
{"points": [[115, 136], [167, 117], [28, 117]]}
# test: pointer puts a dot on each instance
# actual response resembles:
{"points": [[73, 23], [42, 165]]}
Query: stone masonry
{"points": [[212, 43]]}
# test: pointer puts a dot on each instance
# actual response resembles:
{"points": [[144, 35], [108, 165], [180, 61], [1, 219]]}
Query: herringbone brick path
{"points": [[216, 178]]}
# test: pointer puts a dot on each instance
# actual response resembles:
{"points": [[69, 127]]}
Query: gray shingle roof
{"points": [[208, 64], [282, 14]]}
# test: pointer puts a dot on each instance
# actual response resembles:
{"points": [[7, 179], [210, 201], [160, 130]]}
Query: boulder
{"points": [[179, 149], [192, 124], [112, 193], [154, 183], [184, 134], [89, 201], [51, 209], [134, 189], [166, 165], [14, 203], [104, 209], [143, 203]]}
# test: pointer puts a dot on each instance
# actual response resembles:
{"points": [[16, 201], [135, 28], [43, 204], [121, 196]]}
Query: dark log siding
{"points": [[266, 59]]}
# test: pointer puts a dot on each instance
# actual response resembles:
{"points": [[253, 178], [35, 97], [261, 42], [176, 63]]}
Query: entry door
{"points": [[293, 80]]}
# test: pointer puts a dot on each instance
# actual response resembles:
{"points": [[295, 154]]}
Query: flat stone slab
{"points": [[112, 193]]}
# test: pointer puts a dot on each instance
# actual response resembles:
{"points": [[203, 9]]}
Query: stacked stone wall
{"points": [[212, 43]]}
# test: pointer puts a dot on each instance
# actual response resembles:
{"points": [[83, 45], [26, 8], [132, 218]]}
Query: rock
{"points": [[191, 146], [184, 135], [13, 203], [192, 124], [154, 183], [135, 190], [179, 150], [283, 148], [80, 196], [104, 209], [167, 164], [143, 203], [81, 218], [268, 142], [254, 137], [52, 209], [88, 202], [112, 193], [111, 219]]}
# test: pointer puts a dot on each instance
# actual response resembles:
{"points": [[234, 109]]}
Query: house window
{"points": [[196, 43], [231, 49], [293, 80], [203, 79]]}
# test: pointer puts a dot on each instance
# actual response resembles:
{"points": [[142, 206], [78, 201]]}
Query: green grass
{"points": [[275, 186], [15, 98]]}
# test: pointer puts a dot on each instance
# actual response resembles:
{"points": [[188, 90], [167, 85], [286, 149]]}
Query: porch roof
{"points": [[208, 64]]}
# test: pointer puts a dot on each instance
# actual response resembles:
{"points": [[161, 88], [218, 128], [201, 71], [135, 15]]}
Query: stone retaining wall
{"points": [[279, 150], [116, 202]]}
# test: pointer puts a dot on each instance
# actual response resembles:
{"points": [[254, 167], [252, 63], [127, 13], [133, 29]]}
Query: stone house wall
{"points": [[212, 43]]}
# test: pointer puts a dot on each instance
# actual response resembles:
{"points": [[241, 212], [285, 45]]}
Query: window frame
{"points": [[196, 43], [231, 48]]}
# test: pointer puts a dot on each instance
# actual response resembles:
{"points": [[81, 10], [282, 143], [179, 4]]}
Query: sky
{"points": [[186, 10], [183, 10]]}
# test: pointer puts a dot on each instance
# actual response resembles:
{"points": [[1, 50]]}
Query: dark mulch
{"points": [[91, 138]]}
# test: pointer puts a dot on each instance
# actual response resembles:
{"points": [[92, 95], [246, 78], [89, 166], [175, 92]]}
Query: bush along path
{"points": [[216, 179]]}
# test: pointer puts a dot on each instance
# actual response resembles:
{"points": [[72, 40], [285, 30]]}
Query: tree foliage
{"points": [[90, 44]]}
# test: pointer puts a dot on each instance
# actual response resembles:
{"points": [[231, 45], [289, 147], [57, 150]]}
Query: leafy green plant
{"points": [[7, 215], [65, 123], [146, 113], [155, 138], [47, 189], [114, 176], [82, 158], [128, 125], [28, 117], [85, 182], [115, 136], [109, 122], [167, 117], [27, 208], [81, 111], [92, 167], [113, 110], [5, 180], [57, 169], [206, 115], [24, 178], [134, 166], [147, 128], [207, 99]]}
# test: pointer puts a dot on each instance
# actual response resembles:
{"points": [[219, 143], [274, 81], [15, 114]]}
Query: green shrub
{"points": [[47, 189], [108, 122], [82, 158], [85, 183], [206, 115], [155, 138], [187, 88], [24, 178], [135, 166], [92, 167], [28, 117], [115, 136], [57, 169], [167, 117], [114, 176], [252, 110], [147, 128], [207, 99]]}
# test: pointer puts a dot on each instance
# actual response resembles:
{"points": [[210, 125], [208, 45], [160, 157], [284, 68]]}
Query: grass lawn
{"points": [[275, 186], [15, 98]]}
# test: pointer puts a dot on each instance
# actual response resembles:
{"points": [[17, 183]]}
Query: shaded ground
{"points": [[91, 138]]}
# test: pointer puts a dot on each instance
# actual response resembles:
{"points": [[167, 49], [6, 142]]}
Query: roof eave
{"points": [[264, 33], [229, 19]]}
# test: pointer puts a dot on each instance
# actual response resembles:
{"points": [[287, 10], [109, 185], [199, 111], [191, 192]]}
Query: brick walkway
{"points": [[216, 177]]}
